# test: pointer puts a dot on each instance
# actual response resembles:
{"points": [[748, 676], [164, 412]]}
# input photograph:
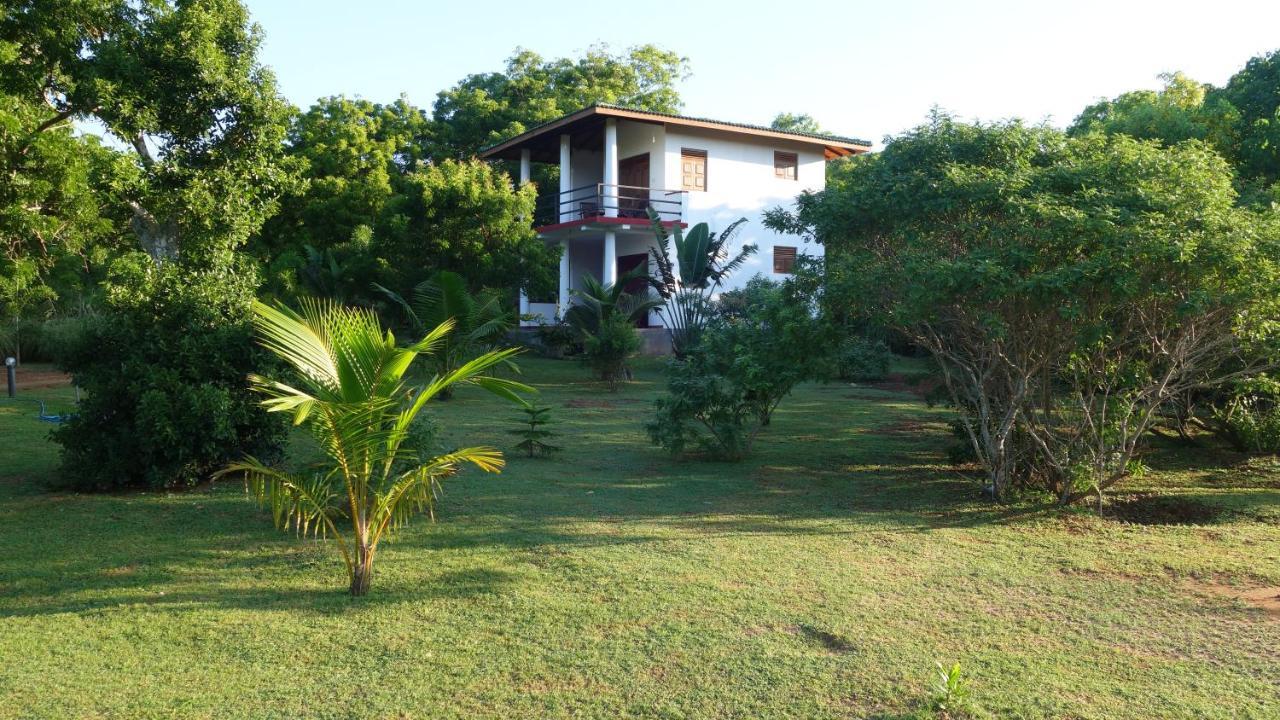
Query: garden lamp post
{"points": [[11, 369]]}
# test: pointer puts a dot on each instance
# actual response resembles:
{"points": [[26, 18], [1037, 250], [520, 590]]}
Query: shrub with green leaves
{"points": [[1251, 418], [604, 318], [607, 350], [726, 389], [860, 359], [166, 401], [557, 339]]}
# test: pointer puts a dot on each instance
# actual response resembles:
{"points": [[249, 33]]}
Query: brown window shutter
{"points": [[786, 165], [784, 259], [693, 169]]}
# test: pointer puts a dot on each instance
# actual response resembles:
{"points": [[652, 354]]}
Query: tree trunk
{"points": [[362, 572]]}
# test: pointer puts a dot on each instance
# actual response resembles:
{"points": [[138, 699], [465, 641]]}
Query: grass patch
{"points": [[823, 577]]}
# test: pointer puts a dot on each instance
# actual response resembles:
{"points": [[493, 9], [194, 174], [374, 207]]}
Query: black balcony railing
{"points": [[593, 201]]}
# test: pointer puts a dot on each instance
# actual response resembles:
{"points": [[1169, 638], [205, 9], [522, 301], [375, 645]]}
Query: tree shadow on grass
{"points": [[88, 594]]}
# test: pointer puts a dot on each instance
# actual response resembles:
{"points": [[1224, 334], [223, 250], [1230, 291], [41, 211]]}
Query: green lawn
{"points": [[821, 578]]}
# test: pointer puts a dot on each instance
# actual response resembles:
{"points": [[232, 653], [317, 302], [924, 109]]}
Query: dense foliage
{"points": [[1241, 120], [479, 320], [1068, 288], [162, 373], [164, 359], [725, 389], [372, 209], [486, 108], [859, 359]]}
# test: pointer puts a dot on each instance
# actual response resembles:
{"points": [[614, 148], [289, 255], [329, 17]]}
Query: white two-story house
{"points": [[615, 162]]}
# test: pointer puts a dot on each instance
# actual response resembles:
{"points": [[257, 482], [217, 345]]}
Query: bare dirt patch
{"points": [[901, 383], [905, 427], [29, 379], [1151, 509], [601, 404], [1266, 599]]}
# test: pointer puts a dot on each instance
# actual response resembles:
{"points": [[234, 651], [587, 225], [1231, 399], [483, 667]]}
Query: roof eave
{"points": [[833, 147]]}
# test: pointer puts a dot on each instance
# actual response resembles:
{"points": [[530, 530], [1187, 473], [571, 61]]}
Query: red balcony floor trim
{"points": [[605, 220]]}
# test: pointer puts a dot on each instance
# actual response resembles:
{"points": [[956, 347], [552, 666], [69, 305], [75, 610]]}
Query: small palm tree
{"points": [[352, 396], [605, 319], [690, 272], [480, 319]]}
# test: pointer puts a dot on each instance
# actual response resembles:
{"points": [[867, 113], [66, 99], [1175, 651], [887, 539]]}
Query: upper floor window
{"points": [[693, 169], [785, 165], [784, 259]]}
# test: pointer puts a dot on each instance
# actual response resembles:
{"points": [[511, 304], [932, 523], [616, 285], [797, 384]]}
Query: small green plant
{"points": [[535, 433], [950, 692], [604, 318]]}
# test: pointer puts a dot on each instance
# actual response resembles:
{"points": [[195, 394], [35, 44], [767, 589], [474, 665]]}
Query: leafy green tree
{"points": [[1068, 288], [374, 210], [1175, 113], [468, 218], [1239, 120], [348, 387], [802, 123], [354, 157], [1254, 95], [478, 320], [180, 83], [60, 225], [486, 108]]}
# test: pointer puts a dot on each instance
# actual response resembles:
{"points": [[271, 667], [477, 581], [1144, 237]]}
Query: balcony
{"points": [[608, 203]]}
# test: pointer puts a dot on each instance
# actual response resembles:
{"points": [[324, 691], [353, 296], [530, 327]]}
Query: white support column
{"points": [[610, 275], [563, 299], [610, 199], [566, 178], [524, 180]]}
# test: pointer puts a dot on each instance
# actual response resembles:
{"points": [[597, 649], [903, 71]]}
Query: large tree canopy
{"points": [[373, 207], [59, 221], [485, 108], [1067, 287], [1241, 120], [180, 83], [789, 122]]}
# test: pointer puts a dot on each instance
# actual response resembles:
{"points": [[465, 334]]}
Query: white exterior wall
{"points": [[741, 183], [588, 167], [635, 138]]}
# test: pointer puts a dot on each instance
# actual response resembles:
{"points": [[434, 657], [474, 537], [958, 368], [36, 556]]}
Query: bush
{"points": [[555, 340], [727, 388], [164, 371], [1251, 419], [607, 350], [860, 359]]}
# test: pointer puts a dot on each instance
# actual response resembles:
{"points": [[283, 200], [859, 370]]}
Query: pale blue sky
{"points": [[861, 68]]}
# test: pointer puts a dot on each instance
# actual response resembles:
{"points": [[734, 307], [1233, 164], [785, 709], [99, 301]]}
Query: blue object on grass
{"points": [[45, 415]]}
